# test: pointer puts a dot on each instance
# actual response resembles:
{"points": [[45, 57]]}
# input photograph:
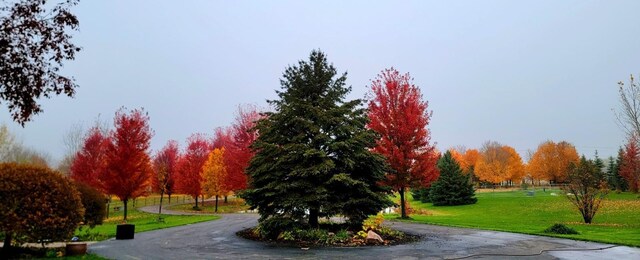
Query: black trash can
{"points": [[125, 231]]}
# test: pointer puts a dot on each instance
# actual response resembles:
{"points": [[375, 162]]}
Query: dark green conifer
{"points": [[452, 187], [421, 194], [599, 163], [312, 154], [615, 181]]}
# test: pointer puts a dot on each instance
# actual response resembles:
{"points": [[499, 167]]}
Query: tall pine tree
{"points": [[313, 154], [599, 163], [452, 187]]}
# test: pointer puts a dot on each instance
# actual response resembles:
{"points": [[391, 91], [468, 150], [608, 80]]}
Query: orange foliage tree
{"points": [[515, 166], [551, 161], [400, 116], [128, 162], [458, 157], [499, 163], [470, 159], [214, 175], [467, 161], [190, 166], [630, 165]]}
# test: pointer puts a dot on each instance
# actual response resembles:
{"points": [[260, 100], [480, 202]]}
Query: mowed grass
{"points": [[233, 205], [142, 220], [617, 221]]}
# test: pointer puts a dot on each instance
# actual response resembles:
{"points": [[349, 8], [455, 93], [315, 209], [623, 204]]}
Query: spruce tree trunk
{"points": [[313, 217], [403, 212], [216, 210], [125, 209], [7, 243]]}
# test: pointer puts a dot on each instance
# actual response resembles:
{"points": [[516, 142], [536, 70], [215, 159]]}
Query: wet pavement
{"points": [[217, 240]]}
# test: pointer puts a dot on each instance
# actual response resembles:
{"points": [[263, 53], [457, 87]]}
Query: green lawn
{"points": [[618, 220], [143, 221]]}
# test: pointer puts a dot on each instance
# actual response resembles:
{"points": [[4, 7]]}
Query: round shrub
{"points": [[561, 229], [94, 203], [38, 204]]}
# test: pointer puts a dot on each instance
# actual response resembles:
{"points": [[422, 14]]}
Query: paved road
{"points": [[165, 211], [217, 240]]}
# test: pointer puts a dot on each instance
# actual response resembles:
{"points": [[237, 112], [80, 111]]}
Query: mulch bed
{"points": [[351, 242]]}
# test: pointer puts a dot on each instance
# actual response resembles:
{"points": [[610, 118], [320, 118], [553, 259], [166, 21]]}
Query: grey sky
{"points": [[511, 71]]}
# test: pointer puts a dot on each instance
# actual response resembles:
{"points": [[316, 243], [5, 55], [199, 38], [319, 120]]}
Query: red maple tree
{"points": [[128, 162], [90, 162], [165, 168], [221, 138], [400, 116], [238, 153], [190, 166], [630, 166]]}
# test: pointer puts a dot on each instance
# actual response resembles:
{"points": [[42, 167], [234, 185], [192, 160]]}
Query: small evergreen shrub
{"points": [[342, 236], [314, 234], [561, 229]]}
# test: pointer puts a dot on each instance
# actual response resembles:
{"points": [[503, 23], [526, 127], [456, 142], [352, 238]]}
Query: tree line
{"points": [[501, 165], [118, 162]]}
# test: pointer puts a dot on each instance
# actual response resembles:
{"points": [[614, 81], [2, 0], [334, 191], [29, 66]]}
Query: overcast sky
{"points": [[516, 72]]}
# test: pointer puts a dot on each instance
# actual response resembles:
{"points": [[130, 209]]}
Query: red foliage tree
{"points": [[128, 162], [165, 168], [190, 166], [221, 138], [90, 162], [398, 113], [630, 166], [237, 153]]}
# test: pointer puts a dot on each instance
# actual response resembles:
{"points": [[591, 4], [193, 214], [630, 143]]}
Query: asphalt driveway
{"points": [[217, 240]]}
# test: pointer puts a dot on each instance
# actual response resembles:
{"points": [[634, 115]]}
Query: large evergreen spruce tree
{"points": [[312, 155], [452, 187]]}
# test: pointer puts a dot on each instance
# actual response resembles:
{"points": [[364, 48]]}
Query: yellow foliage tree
{"points": [[214, 174], [551, 161]]}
